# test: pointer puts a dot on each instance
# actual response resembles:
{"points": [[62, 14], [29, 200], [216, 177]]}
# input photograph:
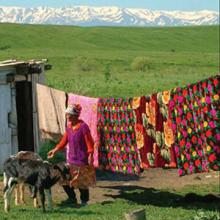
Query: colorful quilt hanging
{"points": [[194, 110], [116, 126], [153, 130]]}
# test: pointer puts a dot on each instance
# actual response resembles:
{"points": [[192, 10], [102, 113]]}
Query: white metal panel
{"points": [[5, 108], [3, 79], [5, 131]]}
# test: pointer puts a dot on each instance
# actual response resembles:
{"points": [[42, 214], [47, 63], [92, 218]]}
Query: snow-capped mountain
{"points": [[106, 16]]}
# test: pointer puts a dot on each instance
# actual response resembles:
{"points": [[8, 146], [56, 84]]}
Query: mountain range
{"points": [[106, 16]]}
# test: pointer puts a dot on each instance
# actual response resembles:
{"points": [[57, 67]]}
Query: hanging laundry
{"points": [[89, 115], [51, 112], [144, 147], [194, 110], [153, 126], [211, 125], [164, 133], [155, 121], [116, 126]]}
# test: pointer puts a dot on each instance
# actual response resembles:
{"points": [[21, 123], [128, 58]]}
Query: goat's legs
{"points": [[49, 198], [34, 195], [42, 198], [17, 194], [5, 180], [36, 205], [7, 193], [21, 192]]}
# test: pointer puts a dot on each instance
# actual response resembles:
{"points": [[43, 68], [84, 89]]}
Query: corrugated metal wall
{"points": [[5, 131]]}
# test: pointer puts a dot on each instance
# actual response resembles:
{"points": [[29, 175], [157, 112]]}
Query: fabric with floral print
{"points": [[116, 127], [164, 131], [139, 106], [155, 131], [89, 116], [194, 110]]}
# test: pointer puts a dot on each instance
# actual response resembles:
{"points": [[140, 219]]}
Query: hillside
{"points": [[99, 61]]}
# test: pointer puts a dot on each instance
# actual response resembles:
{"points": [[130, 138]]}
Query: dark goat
{"points": [[19, 189], [61, 169], [33, 172]]}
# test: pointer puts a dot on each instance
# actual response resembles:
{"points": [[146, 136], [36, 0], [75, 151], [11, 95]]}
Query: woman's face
{"points": [[70, 117]]}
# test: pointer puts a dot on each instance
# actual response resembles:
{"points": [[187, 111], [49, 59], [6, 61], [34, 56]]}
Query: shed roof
{"points": [[19, 62]]}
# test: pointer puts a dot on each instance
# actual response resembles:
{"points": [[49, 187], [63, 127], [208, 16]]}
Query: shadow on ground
{"points": [[106, 175], [150, 196]]}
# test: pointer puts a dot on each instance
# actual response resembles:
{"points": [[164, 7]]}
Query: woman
{"points": [[79, 149]]}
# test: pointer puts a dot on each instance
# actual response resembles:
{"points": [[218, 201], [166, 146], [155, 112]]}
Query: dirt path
{"points": [[156, 178]]}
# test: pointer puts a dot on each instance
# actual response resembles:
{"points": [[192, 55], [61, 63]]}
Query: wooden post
{"points": [[138, 214]]}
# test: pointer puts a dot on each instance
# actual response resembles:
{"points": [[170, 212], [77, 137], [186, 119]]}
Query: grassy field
{"points": [[116, 61]]}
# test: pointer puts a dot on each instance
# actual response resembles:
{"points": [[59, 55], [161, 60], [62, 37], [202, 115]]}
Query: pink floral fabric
{"points": [[89, 116]]}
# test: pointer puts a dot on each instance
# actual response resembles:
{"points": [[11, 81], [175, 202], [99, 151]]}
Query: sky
{"points": [[184, 5]]}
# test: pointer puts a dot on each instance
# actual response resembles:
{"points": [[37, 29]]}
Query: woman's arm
{"points": [[90, 146], [59, 146]]}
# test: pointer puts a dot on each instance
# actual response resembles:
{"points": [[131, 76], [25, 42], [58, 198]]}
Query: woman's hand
{"points": [[90, 159], [51, 154]]}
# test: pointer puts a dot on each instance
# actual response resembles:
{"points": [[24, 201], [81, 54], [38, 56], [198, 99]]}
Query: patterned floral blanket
{"points": [[153, 130], [195, 121], [116, 126]]}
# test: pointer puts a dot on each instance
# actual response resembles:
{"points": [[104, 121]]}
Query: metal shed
{"points": [[18, 107]]}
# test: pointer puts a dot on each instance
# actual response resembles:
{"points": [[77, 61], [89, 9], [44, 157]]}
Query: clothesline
{"points": [[162, 129]]}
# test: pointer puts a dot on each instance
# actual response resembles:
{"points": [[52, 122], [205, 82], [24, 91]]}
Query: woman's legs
{"points": [[70, 193], [84, 195]]}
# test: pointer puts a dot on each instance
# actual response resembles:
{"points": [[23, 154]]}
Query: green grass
{"points": [[79, 55], [97, 61], [158, 205]]}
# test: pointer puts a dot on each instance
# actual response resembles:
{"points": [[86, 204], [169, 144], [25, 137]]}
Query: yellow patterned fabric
{"points": [[82, 176]]}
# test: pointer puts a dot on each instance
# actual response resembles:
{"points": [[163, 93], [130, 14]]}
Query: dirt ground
{"points": [[109, 185], [155, 178]]}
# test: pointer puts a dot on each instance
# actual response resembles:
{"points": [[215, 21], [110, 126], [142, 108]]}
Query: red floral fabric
{"points": [[153, 123], [139, 107]]}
